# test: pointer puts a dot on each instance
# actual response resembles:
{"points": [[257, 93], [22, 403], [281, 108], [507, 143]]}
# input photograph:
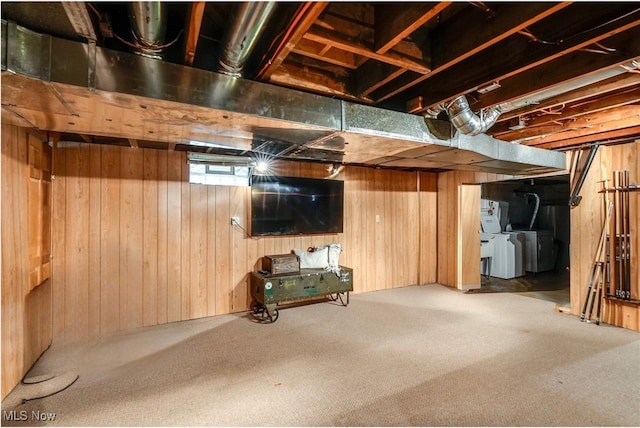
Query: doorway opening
{"points": [[526, 225]]}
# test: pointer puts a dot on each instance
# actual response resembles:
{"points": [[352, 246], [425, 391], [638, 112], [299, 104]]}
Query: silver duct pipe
{"points": [[535, 209], [466, 121], [463, 118], [148, 26], [249, 22]]}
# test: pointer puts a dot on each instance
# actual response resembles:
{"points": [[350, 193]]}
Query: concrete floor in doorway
{"points": [[552, 286]]}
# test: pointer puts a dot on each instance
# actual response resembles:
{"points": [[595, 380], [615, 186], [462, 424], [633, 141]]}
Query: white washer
{"points": [[507, 260]]}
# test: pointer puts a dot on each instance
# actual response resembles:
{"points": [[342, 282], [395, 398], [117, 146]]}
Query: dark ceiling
{"points": [[562, 74]]}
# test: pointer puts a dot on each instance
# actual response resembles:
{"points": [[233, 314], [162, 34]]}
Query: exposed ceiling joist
{"points": [[395, 22], [531, 62], [193, 31], [449, 48], [550, 63], [609, 103], [307, 15], [600, 89]]}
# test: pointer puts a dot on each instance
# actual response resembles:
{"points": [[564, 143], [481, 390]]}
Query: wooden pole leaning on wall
{"points": [[596, 280]]}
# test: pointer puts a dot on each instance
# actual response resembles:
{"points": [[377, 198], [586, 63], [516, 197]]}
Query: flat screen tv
{"points": [[295, 206]]}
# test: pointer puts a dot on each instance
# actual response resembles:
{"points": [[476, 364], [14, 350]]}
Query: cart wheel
{"points": [[256, 307], [276, 314]]}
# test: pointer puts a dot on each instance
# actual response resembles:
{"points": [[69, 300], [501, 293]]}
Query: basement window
{"points": [[219, 175], [219, 170]]}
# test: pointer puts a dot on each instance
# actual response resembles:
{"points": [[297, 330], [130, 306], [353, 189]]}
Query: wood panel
{"points": [[167, 250], [26, 290], [469, 237], [174, 227], [428, 209], [150, 244], [94, 236], [76, 296], [586, 225], [15, 262], [163, 249], [110, 237], [39, 210], [620, 158], [447, 186]]}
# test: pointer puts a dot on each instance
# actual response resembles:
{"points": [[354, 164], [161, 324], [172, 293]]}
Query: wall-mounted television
{"points": [[295, 206]]}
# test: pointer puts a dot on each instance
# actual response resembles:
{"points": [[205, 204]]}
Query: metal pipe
{"points": [[463, 118], [240, 39], [535, 210], [575, 198], [466, 121], [148, 27]]}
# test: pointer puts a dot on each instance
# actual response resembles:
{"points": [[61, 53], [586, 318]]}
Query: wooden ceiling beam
{"points": [[313, 79], [321, 35], [448, 48], [626, 133], [568, 123], [604, 104], [571, 66], [319, 51], [614, 83], [395, 21], [540, 68], [373, 75], [193, 31], [575, 131], [302, 22]]}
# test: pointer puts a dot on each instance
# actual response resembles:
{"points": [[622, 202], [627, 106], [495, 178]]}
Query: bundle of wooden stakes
{"points": [[611, 273], [597, 278], [620, 239]]}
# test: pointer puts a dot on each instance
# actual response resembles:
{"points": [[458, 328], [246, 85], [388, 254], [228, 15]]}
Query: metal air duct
{"points": [[148, 27], [466, 121], [214, 109], [535, 209], [241, 37], [463, 118]]}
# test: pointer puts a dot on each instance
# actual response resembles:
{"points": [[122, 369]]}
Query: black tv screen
{"points": [[295, 206]]}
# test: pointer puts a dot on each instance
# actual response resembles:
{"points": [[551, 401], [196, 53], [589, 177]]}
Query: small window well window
{"points": [[218, 170]]}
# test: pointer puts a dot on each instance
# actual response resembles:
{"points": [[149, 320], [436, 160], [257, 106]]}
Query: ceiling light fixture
{"points": [[490, 87]]}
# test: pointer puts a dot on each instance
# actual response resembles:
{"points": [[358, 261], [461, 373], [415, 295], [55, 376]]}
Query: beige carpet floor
{"points": [[414, 356]]}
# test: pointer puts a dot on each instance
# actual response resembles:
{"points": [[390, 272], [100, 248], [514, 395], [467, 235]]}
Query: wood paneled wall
{"points": [[26, 291], [451, 270], [586, 226], [136, 245], [612, 158]]}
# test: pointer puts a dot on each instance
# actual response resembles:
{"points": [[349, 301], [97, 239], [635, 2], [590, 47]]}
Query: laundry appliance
{"points": [[539, 250], [504, 251]]}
